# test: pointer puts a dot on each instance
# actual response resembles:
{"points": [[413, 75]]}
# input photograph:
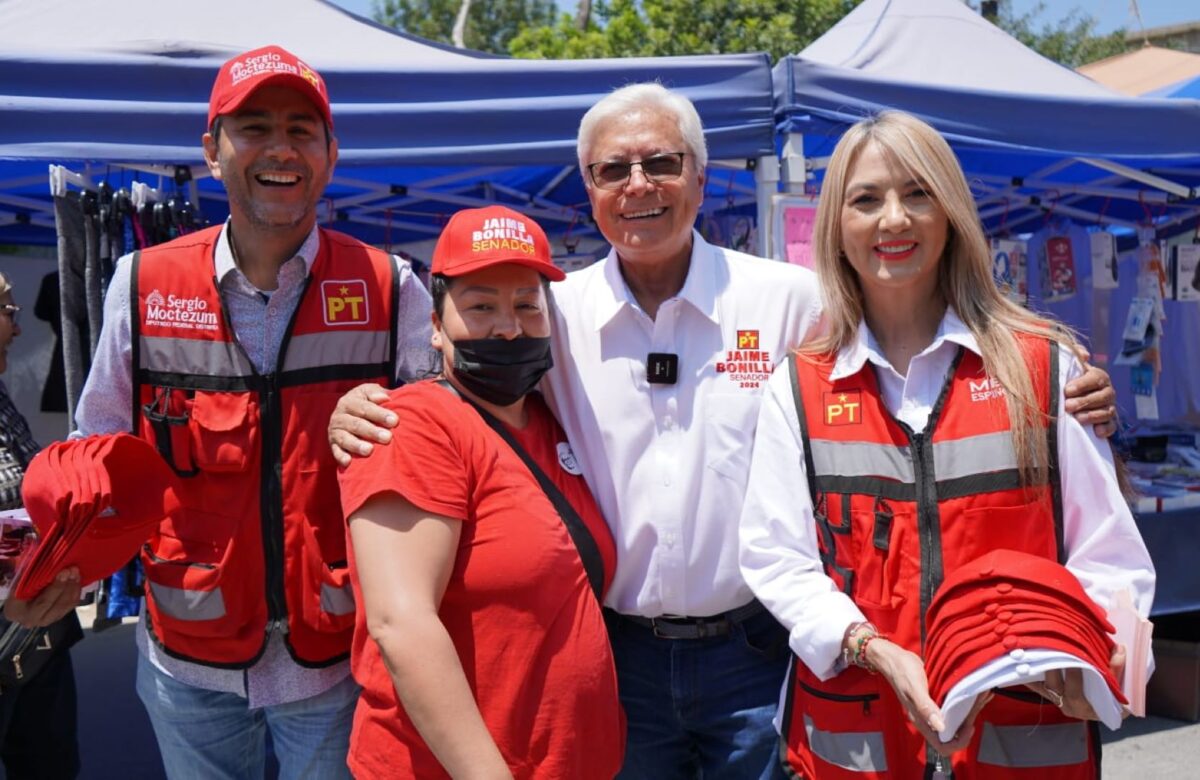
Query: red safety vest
{"points": [[261, 543], [894, 511]]}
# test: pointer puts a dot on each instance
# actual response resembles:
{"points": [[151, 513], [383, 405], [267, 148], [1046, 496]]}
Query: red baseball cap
{"points": [[475, 239], [93, 501], [242, 75]]}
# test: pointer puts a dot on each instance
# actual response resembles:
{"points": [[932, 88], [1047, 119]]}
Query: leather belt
{"points": [[719, 625]]}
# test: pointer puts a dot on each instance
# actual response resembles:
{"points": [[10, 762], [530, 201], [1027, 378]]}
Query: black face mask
{"points": [[501, 371]]}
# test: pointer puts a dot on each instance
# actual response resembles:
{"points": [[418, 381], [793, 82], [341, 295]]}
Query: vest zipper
{"points": [[272, 501], [865, 698]]}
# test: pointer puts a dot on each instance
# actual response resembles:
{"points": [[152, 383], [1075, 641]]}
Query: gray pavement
{"points": [[117, 742]]}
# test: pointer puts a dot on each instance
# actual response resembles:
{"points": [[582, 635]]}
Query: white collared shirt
{"points": [[668, 463], [778, 540]]}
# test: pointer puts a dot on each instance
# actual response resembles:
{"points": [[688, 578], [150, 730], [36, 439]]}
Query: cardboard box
{"points": [[1174, 688]]}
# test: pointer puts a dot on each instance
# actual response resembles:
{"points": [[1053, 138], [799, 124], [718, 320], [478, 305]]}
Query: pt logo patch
{"points": [[345, 302], [844, 408], [748, 365]]}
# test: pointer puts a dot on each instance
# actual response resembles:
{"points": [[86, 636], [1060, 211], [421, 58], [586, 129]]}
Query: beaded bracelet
{"points": [[860, 652], [862, 633]]}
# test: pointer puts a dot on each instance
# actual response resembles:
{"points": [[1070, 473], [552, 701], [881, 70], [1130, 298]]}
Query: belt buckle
{"points": [[657, 633]]}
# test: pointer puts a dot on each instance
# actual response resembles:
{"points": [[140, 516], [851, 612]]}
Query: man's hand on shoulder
{"points": [[359, 421], [1091, 398]]}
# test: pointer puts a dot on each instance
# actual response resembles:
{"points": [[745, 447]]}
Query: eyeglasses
{"points": [[612, 174], [13, 311]]}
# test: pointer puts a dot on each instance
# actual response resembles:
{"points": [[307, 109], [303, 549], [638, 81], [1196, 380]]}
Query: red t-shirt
{"points": [[518, 607]]}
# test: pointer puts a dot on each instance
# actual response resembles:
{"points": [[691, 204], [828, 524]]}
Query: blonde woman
{"points": [[925, 426]]}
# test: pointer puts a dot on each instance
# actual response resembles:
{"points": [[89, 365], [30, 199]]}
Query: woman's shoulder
{"points": [[421, 394], [427, 403]]}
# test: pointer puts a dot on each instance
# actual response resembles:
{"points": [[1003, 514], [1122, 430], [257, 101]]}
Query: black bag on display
{"points": [[24, 651]]}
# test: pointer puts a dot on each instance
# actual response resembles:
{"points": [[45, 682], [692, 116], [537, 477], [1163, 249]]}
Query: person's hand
{"points": [[1091, 398], [1116, 665], [357, 421], [1064, 689], [905, 672], [60, 597]]}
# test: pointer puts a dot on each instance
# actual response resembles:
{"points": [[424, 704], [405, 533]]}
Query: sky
{"points": [[1110, 14]]}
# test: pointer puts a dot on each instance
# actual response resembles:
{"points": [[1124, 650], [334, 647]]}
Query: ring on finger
{"points": [[1055, 698]]}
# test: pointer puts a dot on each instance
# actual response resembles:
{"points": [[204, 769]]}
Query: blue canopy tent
{"points": [[1028, 131], [119, 90], [1033, 137], [1188, 88]]}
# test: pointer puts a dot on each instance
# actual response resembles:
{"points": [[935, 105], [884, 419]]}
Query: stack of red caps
{"points": [[94, 502], [1005, 603]]}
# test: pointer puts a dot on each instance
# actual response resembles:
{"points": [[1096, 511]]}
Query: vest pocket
{"points": [[224, 431], [167, 417], [1021, 736], [837, 726], [187, 587], [1026, 527], [327, 603], [882, 557]]}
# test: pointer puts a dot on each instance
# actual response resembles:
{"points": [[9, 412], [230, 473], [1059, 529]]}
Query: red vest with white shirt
{"points": [[896, 509]]}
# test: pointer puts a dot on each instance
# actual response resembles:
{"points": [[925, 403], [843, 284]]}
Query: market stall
{"points": [[118, 91], [1088, 194]]}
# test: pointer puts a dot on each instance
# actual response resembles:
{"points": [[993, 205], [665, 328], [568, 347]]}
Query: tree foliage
{"points": [[645, 28], [1071, 41], [649, 28], [491, 24]]}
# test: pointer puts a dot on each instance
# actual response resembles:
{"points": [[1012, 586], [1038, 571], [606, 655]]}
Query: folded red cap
{"points": [[1007, 601], [946, 634], [132, 491], [995, 576], [950, 663], [240, 76]]}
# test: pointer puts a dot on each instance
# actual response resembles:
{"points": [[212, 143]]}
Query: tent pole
{"points": [[794, 172], [1187, 193], [766, 184]]}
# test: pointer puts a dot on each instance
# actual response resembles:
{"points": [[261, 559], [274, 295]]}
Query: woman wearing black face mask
{"points": [[478, 555]]}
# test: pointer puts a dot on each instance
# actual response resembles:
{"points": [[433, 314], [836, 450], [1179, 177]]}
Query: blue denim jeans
{"points": [[701, 707], [211, 735]]}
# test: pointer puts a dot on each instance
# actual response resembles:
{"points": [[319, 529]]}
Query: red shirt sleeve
{"points": [[423, 462]]}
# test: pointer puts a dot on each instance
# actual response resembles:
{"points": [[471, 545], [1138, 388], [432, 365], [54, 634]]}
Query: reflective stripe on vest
{"points": [[856, 751], [189, 605], [988, 453], [321, 350], [337, 601], [192, 356], [1027, 747]]}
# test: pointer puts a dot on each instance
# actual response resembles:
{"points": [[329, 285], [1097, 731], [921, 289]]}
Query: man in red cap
{"points": [[227, 349]]}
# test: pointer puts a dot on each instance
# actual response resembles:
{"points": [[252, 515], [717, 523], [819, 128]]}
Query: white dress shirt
{"points": [[668, 463], [778, 539]]}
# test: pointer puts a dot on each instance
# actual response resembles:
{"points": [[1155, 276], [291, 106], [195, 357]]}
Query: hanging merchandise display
{"points": [[1059, 280], [1104, 261], [1184, 272], [1144, 327], [96, 225], [1009, 268]]}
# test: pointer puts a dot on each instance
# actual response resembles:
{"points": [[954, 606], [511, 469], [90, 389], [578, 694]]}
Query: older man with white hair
{"points": [[662, 350]]}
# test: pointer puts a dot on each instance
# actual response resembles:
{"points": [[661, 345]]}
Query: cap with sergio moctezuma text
{"points": [[240, 76]]}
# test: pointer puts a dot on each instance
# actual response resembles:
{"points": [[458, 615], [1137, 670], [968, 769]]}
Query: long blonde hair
{"points": [[964, 271]]}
